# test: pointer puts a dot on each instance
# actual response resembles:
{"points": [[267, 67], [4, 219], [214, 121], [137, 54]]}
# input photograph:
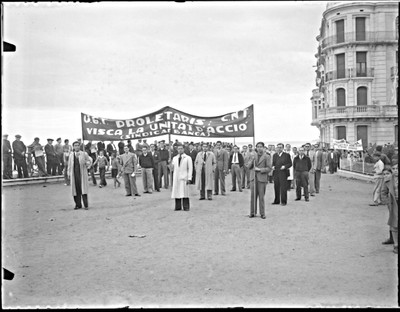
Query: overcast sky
{"points": [[124, 60]]}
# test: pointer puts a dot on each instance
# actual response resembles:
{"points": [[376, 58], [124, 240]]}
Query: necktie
{"points": [[308, 153], [205, 156], [235, 159], [179, 160]]}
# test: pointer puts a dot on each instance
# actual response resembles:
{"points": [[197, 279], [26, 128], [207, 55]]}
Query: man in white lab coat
{"points": [[182, 168]]}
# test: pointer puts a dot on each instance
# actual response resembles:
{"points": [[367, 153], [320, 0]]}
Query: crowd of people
{"points": [[203, 164]]}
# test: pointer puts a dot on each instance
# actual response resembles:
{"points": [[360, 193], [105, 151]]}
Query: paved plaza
{"points": [[326, 252]]}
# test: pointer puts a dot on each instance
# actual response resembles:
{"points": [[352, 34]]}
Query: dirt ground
{"points": [[326, 252]]}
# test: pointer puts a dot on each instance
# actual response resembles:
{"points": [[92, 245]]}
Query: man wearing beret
{"points": [[51, 157], [19, 157], [7, 160]]}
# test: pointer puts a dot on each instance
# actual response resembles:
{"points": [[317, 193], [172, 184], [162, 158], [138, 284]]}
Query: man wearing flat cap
{"points": [[51, 157], [7, 160], [19, 157], [58, 148]]}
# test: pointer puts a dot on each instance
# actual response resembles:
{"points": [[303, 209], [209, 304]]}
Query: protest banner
{"points": [[344, 145], [169, 121]]}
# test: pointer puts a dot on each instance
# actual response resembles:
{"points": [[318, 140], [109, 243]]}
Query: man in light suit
{"points": [[235, 165], [259, 166], [245, 170], [205, 165], [222, 159], [128, 167], [318, 165], [309, 152], [281, 162]]}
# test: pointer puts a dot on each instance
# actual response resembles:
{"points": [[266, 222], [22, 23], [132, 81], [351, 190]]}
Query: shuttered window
{"points": [[341, 97], [340, 132], [362, 97], [340, 66], [340, 31], [360, 28]]}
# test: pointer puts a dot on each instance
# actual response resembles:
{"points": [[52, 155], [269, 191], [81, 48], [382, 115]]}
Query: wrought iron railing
{"points": [[368, 36]]}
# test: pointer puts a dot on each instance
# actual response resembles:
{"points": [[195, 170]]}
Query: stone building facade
{"points": [[357, 73]]}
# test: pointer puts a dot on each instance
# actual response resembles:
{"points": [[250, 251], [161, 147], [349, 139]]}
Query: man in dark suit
{"points": [[111, 148], [121, 146], [301, 167], [193, 154], [235, 165], [281, 163], [100, 146], [156, 157], [259, 165], [333, 160], [19, 157], [51, 157], [7, 158]]}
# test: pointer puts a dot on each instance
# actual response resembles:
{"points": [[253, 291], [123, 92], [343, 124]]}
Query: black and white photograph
{"points": [[199, 154]]}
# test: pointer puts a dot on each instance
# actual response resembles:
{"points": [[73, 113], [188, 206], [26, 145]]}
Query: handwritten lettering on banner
{"points": [[344, 145], [169, 121]]}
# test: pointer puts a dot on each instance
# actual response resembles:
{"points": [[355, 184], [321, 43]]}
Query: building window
{"points": [[340, 66], [362, 97], [340, 97], [396, 134], [360, 28], [361, 64], [339, 31], [397, 28], [315, 112], [340, 132], [362, 134]]}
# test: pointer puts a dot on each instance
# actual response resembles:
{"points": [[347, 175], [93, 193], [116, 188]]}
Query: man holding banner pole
{"points": [[163, 165]]}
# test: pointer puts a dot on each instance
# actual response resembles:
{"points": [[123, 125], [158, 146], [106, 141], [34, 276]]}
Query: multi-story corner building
{"points": [[357, 73]]}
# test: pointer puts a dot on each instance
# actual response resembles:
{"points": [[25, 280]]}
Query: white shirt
{"points": [[235, 159]]}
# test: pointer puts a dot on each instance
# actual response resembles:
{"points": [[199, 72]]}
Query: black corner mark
{"points": [[8, 275]]}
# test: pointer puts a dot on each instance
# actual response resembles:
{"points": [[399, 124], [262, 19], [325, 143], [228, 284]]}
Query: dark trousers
{"points": [[280, 187], [60, 163], [155, 178], [203, 185], [7, 166], [92, 171], [178, 203], [52, 166], [301, 182], [78, 189], [102, 172], [22, 167], [194, 174], [332, 167]]}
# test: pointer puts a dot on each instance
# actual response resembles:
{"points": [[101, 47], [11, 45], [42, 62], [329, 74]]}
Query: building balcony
{"points": [[349, 73], [351, 112], [359, 38]]}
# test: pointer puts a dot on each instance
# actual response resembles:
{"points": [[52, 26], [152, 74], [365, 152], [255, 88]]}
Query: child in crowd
{"points": [[115, 169], [390, 195], [103, 164]]}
